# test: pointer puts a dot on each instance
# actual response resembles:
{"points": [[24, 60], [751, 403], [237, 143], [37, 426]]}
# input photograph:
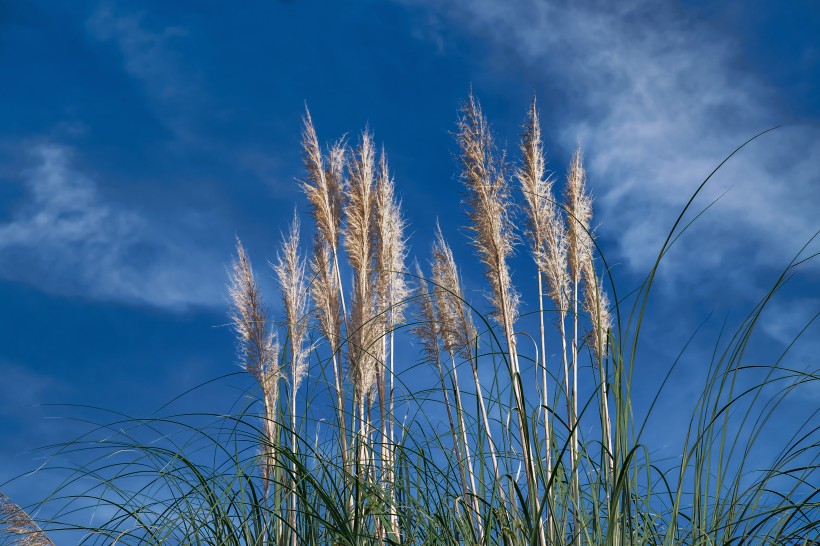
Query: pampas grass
{"points": [[377, 437], [258, 350], [324, 189], [290, 272], [391, 293], [17, 523], [428, 331], [458, 332], [488, 199], [363, 329]]}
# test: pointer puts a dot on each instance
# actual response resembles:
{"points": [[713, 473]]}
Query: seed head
{"points": [[290, 272], [579, 213], [19, 524], [324, 183], [489, 205], [455, 322], [546, 229]]}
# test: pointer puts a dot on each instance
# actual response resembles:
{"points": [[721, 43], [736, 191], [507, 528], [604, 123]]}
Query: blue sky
{"points": [[138, 138]]}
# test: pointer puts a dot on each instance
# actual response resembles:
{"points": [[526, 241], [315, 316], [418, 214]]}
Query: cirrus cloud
{"points": [[66, 238], [658, 97]]}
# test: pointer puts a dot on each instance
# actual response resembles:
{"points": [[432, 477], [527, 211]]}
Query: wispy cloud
{"points": [[147, 55], [658, 98], [66, 238], [154, 58], [166, 65]]}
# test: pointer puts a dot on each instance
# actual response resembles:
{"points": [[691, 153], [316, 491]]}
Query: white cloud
{"points": [[66, 238], [147, 55], [153, 58], [657, 99]]}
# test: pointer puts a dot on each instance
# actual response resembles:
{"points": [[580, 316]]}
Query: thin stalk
{"points": [[340, 392], [466, 443], [486, 421], [544, 393], [567, 394], [293, 498], [456, 446], [391, 447], [521, 413], [574, 416], [606, 422]]}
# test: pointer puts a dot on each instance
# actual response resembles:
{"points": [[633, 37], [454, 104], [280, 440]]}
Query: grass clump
{"points": [[334, 448]]}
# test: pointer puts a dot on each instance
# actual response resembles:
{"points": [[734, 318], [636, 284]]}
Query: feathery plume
{"points": [[325, 293], [250, 319], [536, 187], [457, 330], [335, 175], [363, 328], [17, 522], [596, 306], [390, 251], [290, 272], [547, 231], [555, 262], [323, 185], [258, 347], [363, 347], [426, 328], [448, 309], [359, 206], [579, 210], [488, 200]]}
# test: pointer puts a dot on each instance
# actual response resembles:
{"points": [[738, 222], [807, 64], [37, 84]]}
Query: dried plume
{"points": [[455, 321], [324, 183], [258, 347], [359, 218], [555, 263], [290, 272], [270, 390], [426, 328], [359, 206], [325, 293], [335, 173], [256, 344], [488, 200], [536, 187], [547, 232], [390, 246], [365, 348], [20, 525], [596, 306], [489, 207], [579, 213]]}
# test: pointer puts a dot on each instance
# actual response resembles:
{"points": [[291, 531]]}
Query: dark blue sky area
{"points": [[138, 138]]}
